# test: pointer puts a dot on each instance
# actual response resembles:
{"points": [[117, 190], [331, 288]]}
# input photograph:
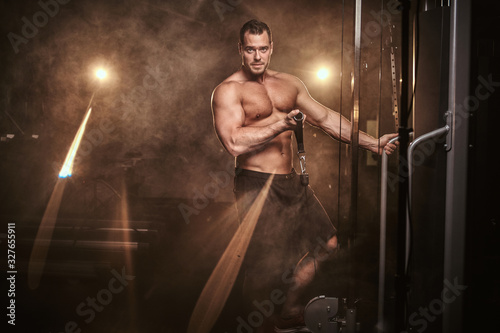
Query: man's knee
{"points": [[332, 243], [325, 249]]}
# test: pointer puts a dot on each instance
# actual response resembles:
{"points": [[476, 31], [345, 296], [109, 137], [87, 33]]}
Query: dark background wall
{"points": [[483, 241]]}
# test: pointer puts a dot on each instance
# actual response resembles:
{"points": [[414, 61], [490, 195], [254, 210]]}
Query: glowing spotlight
{"points": [[101, 73], [323, 73]]}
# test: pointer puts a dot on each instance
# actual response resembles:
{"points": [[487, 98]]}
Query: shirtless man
{"points": [[253, 113]]}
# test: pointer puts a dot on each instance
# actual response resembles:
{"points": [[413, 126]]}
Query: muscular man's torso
{"points": [[266, 103]]}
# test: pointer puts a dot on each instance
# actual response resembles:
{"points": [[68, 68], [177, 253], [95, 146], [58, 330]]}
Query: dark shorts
{"points": [[292, 223]]}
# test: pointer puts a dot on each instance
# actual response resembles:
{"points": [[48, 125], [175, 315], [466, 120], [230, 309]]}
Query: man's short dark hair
{"points": [[255, 27]]}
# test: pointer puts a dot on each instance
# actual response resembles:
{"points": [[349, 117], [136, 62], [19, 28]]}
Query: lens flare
{"points": [[322, 73], [67, 168], [43, 237], [101, 73]]}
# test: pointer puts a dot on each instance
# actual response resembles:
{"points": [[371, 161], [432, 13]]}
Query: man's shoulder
{"points": [[229, 89], [286, 79], [282, 76], [237, 78], [226, 87], [233, 81]]}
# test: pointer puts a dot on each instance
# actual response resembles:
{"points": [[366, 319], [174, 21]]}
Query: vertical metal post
{"points": [[352, 221], [401, 279], [355, 116], [355, 85], [382, 242], [456, 173]]}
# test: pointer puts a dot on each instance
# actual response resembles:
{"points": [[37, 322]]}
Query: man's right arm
{"points": [[229, 122]]}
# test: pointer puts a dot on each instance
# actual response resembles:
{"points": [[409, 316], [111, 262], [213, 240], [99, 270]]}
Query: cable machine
{"points": [[331, 314], [440, 22]]}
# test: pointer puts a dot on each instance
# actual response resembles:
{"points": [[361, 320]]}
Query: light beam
{"points": [[218, 287], [67, 168], [44, 236]]}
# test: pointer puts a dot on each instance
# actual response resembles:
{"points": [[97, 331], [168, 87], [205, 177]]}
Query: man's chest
{"points": [[260, 101]]}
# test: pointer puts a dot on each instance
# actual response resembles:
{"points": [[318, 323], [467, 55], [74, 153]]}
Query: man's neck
{"points": [[257, 78]]}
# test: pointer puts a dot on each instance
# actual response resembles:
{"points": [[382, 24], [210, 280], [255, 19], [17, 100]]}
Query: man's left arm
{"points": [[336, 125]]}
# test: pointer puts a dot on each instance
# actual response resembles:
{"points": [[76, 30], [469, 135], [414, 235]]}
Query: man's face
{"points": [[256, 53]]}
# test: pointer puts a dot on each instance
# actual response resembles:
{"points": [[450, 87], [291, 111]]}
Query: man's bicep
{"points": [[315, 112], [228, 114]]}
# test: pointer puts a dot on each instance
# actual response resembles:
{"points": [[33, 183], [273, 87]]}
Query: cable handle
{"points": [[299, 118], [301, 152]]}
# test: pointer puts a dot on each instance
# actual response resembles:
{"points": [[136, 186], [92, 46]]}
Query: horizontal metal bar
{"points": [[415, 143]]}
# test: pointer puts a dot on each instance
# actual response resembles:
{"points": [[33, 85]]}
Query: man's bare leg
{"points": [[304, 273]]}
